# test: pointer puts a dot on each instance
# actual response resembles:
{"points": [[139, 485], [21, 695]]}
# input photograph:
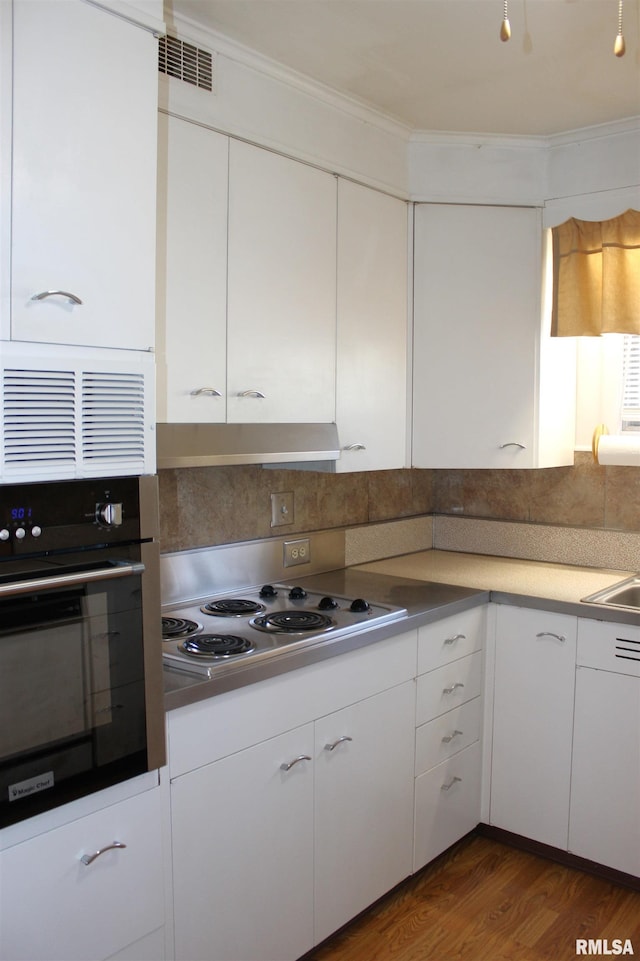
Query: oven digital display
{"points": [[20, 513]]}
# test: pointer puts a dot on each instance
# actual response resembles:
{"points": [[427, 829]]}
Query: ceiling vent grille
{"points": [[39, 417], [113, 418], [185, 61]]}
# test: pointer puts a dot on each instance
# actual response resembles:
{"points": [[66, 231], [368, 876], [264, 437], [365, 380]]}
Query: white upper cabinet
{"points": [[491, 388], [192, 272], [281, 334], [371, 393], [83, 179]]}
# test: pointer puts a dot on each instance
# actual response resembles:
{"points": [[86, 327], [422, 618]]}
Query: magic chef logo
{"points": [[603, 946]]}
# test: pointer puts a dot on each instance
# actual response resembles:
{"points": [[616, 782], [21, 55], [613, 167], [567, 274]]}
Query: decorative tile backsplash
{"points": [[218, 505]]}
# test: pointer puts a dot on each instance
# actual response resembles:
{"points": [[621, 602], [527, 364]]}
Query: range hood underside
{"points": [[206, 445]]}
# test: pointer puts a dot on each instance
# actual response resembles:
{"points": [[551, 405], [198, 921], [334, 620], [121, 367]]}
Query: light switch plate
{"points": [[282, 511]]}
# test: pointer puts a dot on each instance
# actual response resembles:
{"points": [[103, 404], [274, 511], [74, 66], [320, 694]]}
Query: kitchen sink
{"points": [[623, 594]]}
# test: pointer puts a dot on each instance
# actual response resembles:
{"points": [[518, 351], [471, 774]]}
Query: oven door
{"points": [[72, 682]]}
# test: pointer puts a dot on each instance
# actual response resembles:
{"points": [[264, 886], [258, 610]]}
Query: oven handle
{"points": [[69, 580]]}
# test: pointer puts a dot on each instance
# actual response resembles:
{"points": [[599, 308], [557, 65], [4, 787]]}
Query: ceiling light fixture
{"points": [[505, 26], [618, 47]]}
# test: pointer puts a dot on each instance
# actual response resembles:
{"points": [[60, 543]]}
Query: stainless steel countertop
{"points": [[430, 585]]}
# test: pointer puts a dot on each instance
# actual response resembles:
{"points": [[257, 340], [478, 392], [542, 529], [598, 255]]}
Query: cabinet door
{"points": [[480, 356], [243, 854], [84, 185], [605, 776], [532, 723], [55, 908], [364, 798], [282, 289], [371, 405], [192, 272]]}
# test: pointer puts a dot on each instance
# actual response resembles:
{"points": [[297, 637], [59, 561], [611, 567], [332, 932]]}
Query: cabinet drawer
{"points": [[447, 804], [448, 687], [451, 638], [609, 647], [446, 735], [84, 911]]}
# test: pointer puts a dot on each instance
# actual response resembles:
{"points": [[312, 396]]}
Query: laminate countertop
{"points": [[539, 584], [430, 585]]}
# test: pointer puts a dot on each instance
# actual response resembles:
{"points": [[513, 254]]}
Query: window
{"points": [[631, 383]]}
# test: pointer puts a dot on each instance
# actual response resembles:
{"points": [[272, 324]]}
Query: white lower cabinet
{"points": [[363, 805], [291, 804], [243, 853], [533, 723], [605, 780], [448, 756], [54, 907]]}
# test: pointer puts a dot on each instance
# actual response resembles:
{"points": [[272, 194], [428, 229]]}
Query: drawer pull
{"points": [[450, 690], [449, 737], [89, 858], [456, 637], [449, 784], [251, 393], [287, 765], [341, 740], [558, 637]]}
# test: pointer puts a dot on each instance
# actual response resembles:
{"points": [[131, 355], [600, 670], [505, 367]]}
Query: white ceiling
{"points": [[440, 65]]}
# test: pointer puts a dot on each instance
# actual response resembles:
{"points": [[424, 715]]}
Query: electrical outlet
{"points": [[297, 552], [282, 509]]}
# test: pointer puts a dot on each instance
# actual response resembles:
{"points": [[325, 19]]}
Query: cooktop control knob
{"points": [[109, 514], [35, 531], [4, 534], [20, 533], [359, 606], [297, 594], [327, 604], [267, 590]]}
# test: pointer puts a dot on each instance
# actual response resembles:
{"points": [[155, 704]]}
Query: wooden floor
{"points": [[484, 901]]}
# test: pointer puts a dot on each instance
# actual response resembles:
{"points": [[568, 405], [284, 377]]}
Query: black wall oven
{"points": [[81, 703]]}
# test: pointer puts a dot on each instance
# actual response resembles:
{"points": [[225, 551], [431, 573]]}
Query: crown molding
{"points": [[187, 29]]}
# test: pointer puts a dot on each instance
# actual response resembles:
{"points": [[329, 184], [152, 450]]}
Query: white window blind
{"points": [[631, 383]]}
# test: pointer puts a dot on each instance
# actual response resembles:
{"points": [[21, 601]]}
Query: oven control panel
{"points": [[54, 515]]}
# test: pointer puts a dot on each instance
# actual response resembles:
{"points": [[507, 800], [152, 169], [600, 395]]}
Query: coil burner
{"points": [[293, 622], [233, 607], [215, 646], [178, 627]]}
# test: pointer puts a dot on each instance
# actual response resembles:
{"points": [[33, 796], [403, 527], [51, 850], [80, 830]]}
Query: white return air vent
{"points": [[185, 61], [75, 413]]}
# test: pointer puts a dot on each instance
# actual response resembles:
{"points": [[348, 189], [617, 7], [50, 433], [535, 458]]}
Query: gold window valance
{"points": [[596, 277]]}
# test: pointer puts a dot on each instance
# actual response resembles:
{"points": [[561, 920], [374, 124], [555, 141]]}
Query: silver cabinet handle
{"points": [[449, 784], [251, 393], [512, 443], [287, 765], [211, 391], [454, 638], [89, 858], [341, 740], [57, 293], [450, 690], [354, 447], [449, 737], [558, 637]]}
